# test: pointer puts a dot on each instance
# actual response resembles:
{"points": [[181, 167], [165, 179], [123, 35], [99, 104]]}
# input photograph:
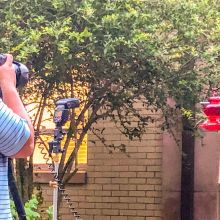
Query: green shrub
{"points": [[31, 210]]}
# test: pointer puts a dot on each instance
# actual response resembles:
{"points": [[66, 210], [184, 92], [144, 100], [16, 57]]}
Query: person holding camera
{"points": [[16, 131]]}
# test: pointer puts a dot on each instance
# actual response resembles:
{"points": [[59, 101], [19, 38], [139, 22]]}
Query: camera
{"points": [[21, 71]]}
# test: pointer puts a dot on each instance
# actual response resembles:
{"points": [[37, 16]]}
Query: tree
{"points": [[114, 54]]}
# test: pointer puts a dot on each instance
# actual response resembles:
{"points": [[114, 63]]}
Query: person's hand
{"points": [[7, 73]]}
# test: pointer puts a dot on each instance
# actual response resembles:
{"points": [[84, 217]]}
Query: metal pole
{"points": [[61, 116], [54, 184], [187, 176]]}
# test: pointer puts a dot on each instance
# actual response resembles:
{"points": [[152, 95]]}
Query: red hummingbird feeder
{"points": [[212, 110]]}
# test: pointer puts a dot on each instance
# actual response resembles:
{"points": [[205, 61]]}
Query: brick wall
{"points": [[119, 187]]}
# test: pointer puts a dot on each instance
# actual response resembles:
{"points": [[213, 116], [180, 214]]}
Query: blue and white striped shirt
{"points": [[14, 132]]}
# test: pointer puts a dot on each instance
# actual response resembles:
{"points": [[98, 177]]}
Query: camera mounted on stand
{"points": [[61, 116]]}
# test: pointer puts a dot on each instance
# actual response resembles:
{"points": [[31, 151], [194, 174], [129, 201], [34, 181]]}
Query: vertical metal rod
{"points": [[55, 192], [187, 179]]}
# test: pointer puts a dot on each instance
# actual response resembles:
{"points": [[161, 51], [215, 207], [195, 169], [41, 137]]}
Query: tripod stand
{"points": [[61, 116]]}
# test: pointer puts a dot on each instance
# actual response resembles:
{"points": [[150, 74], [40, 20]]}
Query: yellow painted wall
{"points": [[82, 153], [48, 124]]}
